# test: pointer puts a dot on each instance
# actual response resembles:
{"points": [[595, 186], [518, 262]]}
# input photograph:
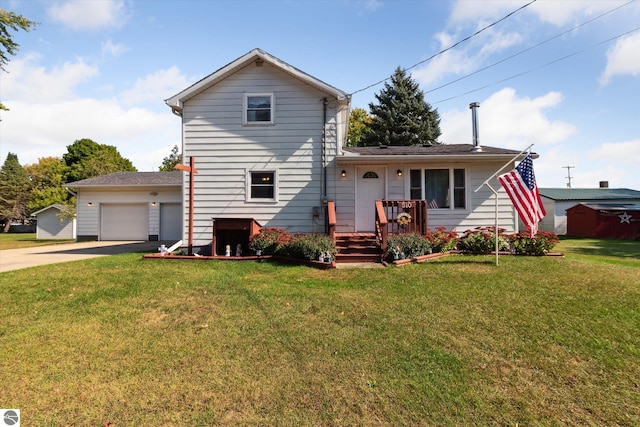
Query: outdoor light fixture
{"points": [[399, 172], [343, 173], [90, 204], [153, 204]]}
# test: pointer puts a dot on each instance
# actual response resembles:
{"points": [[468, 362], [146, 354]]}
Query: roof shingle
{"points": [[132, 179]]}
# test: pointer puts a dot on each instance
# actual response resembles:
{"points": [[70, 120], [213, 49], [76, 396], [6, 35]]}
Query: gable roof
{"points": [[422, 152], [176, 102], [57, 206], [132, 179], [589, 193]]}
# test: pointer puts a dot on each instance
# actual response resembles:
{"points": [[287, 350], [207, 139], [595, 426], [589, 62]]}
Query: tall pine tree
{"points": [[402, 116], [15, 191]]}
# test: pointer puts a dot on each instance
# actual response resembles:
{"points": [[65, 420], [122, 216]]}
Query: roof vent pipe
{"points": [[604, 184], [474, 123]]}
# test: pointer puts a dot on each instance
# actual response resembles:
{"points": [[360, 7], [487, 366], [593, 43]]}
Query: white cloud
{"points": [[464, 59], [507, 121], [112, 49], [623, 58], [136, 132], [160, 85], [558, 13], [90, 15], [626, 152], [47, 113], [29, 81]]}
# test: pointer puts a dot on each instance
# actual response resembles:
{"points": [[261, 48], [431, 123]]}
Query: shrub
{"points": [[408, 245], [309, 246], [441, 240], [523, 244], [269, 240], [483, 240]]}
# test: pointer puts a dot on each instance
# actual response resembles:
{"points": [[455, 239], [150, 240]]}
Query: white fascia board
{"points": [[176, 102], [474, 158]]}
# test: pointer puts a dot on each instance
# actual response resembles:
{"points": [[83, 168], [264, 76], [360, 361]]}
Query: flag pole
{"points": [[495, 193]]}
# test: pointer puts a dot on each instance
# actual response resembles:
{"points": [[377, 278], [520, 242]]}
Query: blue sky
{"points": [[563, 75]]}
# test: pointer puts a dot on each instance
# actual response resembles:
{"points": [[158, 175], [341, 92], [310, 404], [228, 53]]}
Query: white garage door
{"points": [[124, 222], [170, 221]]}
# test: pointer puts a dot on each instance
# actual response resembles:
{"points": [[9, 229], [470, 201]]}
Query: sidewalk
{"points": [[15, 259]]}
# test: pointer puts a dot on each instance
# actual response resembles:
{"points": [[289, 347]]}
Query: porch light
{"points": [[153, 204], [90, 204], [343, 173], [399, 173]]}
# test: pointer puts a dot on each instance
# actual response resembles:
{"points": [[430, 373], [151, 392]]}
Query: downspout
{"points": [[325, 102]]}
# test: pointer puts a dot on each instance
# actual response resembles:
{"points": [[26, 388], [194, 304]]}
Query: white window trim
{"points": [[245, 106], [248, 186], [451, 187]]}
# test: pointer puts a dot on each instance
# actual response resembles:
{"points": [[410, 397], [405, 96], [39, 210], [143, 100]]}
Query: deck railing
{"points": [[331, 220], [382, 230], [398, 217]]}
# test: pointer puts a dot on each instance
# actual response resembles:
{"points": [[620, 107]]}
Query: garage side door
{"points": [[124, 222], [170, 221]]}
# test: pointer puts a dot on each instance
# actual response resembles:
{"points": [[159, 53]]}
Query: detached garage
{"points": [[128, 206]]}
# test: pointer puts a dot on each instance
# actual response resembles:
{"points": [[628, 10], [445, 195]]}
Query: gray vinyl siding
{"points": [[224, 151], [480, 206], [50, 227]]}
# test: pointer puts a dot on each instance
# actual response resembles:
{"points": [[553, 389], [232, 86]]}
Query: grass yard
{"points": [[26, 240], [456, 341]]}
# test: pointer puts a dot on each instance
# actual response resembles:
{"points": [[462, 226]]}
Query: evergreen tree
{"points": [[169, 163], [402, 116], [15, 191]]}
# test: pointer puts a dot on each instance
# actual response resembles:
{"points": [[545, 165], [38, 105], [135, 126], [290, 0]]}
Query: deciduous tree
{"points": [[169, 163], [15, 22], [48, 177], [86, 159], [359, 122]]}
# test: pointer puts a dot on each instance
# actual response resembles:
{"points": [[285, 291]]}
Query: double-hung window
{"points": [[258, 108], [262, 186], [442, 188]]}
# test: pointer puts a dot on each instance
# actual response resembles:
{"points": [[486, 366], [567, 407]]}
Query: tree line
{"points": [[25, 190]]}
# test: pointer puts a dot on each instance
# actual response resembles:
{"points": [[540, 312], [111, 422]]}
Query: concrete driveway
{"points": [[15, 259]]}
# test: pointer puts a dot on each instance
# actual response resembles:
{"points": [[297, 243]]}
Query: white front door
{"points": [[370, 186]]}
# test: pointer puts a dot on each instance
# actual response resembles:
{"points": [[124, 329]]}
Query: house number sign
{"points": [[406, 205]]}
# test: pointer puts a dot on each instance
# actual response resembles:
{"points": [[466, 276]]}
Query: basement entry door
{"points": [[370, 186], [125, 221]]}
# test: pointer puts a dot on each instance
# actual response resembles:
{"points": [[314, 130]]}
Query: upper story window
{"points": [[439, 187], [262, 186], [258, 108]]}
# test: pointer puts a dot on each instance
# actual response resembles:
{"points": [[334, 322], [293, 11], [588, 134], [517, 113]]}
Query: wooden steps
{"points": [[357, 247]]}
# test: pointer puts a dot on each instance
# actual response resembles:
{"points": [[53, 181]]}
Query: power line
{"points": [[538, 68], [450, 47], [530, 48]]}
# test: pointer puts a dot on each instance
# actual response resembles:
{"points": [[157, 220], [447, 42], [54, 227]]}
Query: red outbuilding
{"points": [[604, 221]]}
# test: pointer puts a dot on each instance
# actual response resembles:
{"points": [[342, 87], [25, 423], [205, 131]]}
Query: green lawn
{"points": [[26, 240], [456, 341]]}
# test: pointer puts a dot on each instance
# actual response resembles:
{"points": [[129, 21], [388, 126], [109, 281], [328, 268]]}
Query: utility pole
{"points": [[569, 174]]}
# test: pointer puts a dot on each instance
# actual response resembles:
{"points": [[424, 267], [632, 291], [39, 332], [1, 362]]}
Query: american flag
{"points": [[522, 189]]}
